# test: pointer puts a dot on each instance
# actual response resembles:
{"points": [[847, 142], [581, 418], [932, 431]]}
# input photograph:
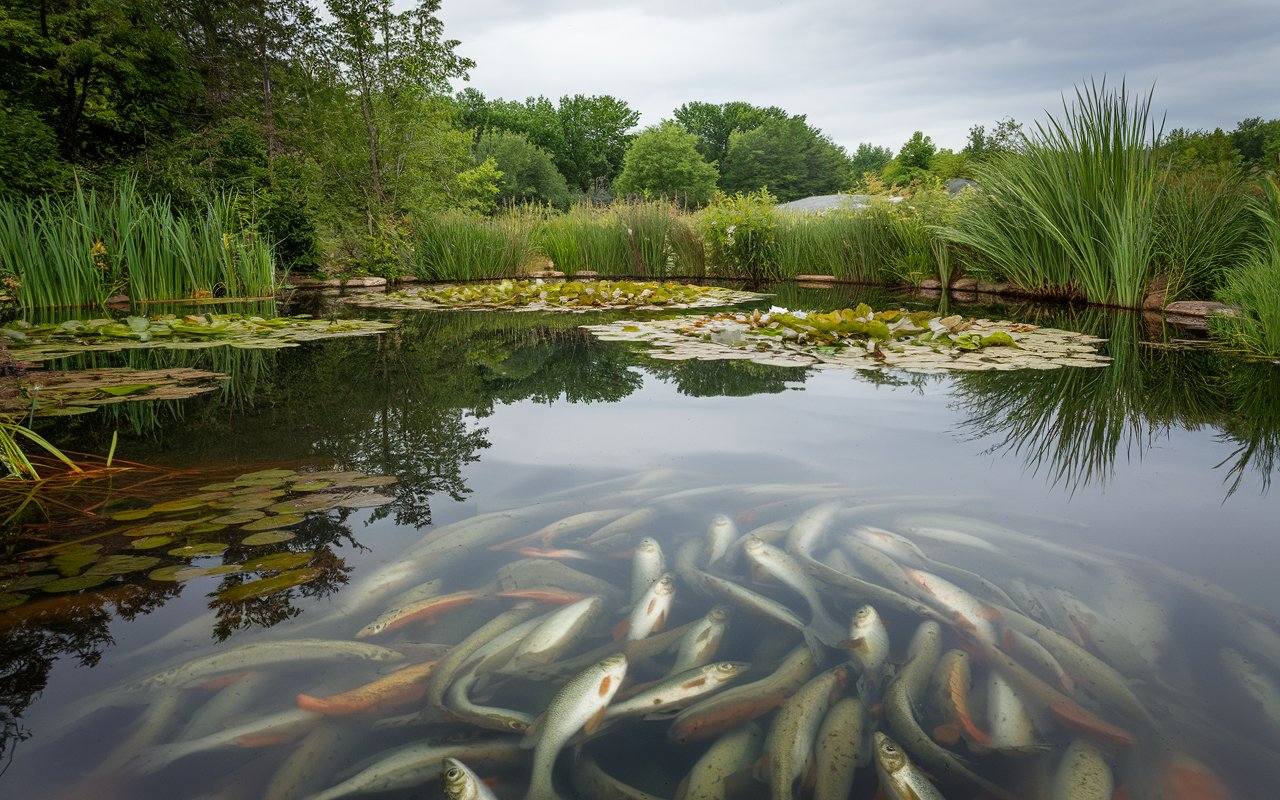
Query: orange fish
{"points": [[403, 687]]}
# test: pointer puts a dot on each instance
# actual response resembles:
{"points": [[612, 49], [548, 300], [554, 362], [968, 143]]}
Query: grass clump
{"points": [[461, 246], [1255, 286], [741, 236], [1073, 211]]}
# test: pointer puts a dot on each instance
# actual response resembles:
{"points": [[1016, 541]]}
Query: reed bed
{"points": [[82, 249], [1254, 287], [458, 246]]}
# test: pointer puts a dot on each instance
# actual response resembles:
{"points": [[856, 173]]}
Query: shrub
{"points": [[740, 232]]}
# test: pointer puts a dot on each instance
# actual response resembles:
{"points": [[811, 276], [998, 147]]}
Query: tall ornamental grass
{"points": [[1075, 209], [1204, 226], [80, 250], [457, 246], [644, 238], [1255, 286]]}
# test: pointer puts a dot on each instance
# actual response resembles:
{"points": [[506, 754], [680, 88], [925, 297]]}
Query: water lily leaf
{"points": [[203, 550], [184, 504], [220, 487], [319, 501], [311, 486], [124, 390], [10, 600], [161, 528], [269, 586], [372, 481], [132, 514], [245, 502], [73, 563], [199, 528], [276, 561], [266, 537], [151, 542], [122, 565], [238, 517], [186, 572], [363, 500], [266, 474], [75, 584], [273, 522], [30, 582]]}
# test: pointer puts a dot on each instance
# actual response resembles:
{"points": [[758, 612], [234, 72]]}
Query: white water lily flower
{"points": [[778, 310], [800, 314]]}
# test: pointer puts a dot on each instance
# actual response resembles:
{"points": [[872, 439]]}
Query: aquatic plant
{"points": [[1073, 211], [740, 232], [1204, 227], [14, 458], [539, 295], [80, 250], [1254, 287], [39, 342], [460, 246]]}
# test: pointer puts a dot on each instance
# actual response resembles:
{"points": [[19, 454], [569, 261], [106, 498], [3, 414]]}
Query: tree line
{"points": [[340, 126]]}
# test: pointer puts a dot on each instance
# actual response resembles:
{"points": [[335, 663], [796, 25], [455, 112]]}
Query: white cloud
{"points": [[876, 71]]}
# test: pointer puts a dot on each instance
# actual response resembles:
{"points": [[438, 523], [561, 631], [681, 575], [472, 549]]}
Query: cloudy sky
{"points": [[876, 71]]}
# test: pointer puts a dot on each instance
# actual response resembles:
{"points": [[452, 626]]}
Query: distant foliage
{"points": [[664, 162], [789, 158], [714, 124], [529, 175]]}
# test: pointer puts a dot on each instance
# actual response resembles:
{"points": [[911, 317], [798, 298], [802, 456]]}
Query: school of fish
{"points": [[634, 639]]}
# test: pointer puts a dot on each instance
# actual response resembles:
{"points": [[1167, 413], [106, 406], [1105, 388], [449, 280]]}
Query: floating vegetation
{"points": [[173, 533], [55, 394], [539, 295], [170, 331], [860, 338]]}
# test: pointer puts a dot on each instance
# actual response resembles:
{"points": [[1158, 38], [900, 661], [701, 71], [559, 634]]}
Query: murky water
{"points": [[1119, 518]]}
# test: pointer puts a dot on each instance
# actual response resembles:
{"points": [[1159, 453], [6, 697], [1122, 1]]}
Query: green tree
{"points": [[713, 124], [913, 161], [664, 161], [1258, 141], [1185, 150], [528, 172], [1005, 137], [789, 157], [596, 137], [868, 159]]}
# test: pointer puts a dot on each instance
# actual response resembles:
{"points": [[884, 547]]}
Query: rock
{"points": [[993, 287], [1200, 308], [364, 282], [957, 185], [407, 279], [1156, 294], [584, 274], [815, 279], [930, 284], [964, 285], [118, 300], [547, 273]]}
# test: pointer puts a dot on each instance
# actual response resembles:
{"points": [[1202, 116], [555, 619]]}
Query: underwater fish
{"points": [[547, 535], [840, 748], [795, 728], [460, 783], [702, 641], [579, 705], [900, 779], [414, 764], [868, 647], [589, 779], [752, 602], [721, 533], [426, 610], [1012, 730], [1082, 774], [1261, 688], [731, 753], [262, 654], [954, 602], [647, 566], [678, 691], [650, 613], [405, 685], [781, 566], [556, 634], [277, 728], [951, 680], [733, 707]]}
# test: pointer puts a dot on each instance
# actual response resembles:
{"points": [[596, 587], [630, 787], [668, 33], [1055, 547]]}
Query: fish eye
{"points": [[453, 773], [726, 667]]}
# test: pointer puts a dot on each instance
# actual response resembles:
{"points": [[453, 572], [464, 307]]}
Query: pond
{"points": [[1074, 568]]}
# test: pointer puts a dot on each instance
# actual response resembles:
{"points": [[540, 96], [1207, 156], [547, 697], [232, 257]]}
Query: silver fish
{"points": [[794, 729], [415, 764], [702, 641], [460, 783], [679, 690], [900, 779], [650, 614], [731, 753], [647, 565], [262, 654]]}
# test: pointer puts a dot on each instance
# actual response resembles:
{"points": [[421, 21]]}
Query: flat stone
{"points": [[1200, 308], [364, 282], [118, 300], [407, 279], [930, 284], [993, 287], [815, 279], [965, 284], [585, 273], [547, 273]]}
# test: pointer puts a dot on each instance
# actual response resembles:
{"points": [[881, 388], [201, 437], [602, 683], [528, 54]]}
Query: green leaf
{"points": [[269, 586]]}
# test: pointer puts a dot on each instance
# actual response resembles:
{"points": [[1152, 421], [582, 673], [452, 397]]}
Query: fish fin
{"points": [[593, 724], [990, 614], [947, 734], [857, 644], [682, 788], [534, 733], [1087, 722], [659, 622], [760, 769], [318, 705], [620, 630]]}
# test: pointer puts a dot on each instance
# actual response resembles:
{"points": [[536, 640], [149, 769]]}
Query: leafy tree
{"points": [[713, 124], [913, 161], [528, 173], [595, 138], [664, 161], [1184, 150], [1005, 137], [1258, 141], [789, 157], [869, 159]]}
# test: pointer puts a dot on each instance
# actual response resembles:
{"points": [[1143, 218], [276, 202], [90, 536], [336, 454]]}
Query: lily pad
{"points": [[185, 504], [273, 522], [186, 572], [76, 583], [202, 550], [238, 517], [72, 561], [317, 501], [276, 561], [132, 514], [122, 565], [269, 586], [209, 526], [311, 486], [363, 500], [10, 600], [266, 537], [244, 502], [267, 474], [151, 542], [571, 295], [30, 582], [225, 486]]}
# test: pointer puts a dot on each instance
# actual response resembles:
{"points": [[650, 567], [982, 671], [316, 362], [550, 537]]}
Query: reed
{"points": [[1204, 225], [80, 250], [1255, 286], [455, 246], [1074, 209]]}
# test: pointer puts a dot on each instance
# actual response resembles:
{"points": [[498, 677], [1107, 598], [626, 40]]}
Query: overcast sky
{"points": [[876, 71]]}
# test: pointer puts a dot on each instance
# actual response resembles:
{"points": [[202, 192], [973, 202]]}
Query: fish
{"points": [[549, 533], [731, 753], [858, 587], [459, 707], [647, 566], [702, 641], [405, 685], [1257, 685], [795, 728], [579, 705], [781, 566], [907, 554], [868, 647], [951, 680], [732, 707], [425, 610], [460, 783], [1037, 658], [448, 667], [1082, 774], [840, 748], [649, 614], [1012, 730], [590, 780], [966, 610], [721, 533], [277, 728], [899, 778], [262, 654], [679, 691], [308, 767], [557, 633], [752, 602], [810, 527], [414, 764], [905, 693], [620, 527], [544, 573], [1100, 634]]}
